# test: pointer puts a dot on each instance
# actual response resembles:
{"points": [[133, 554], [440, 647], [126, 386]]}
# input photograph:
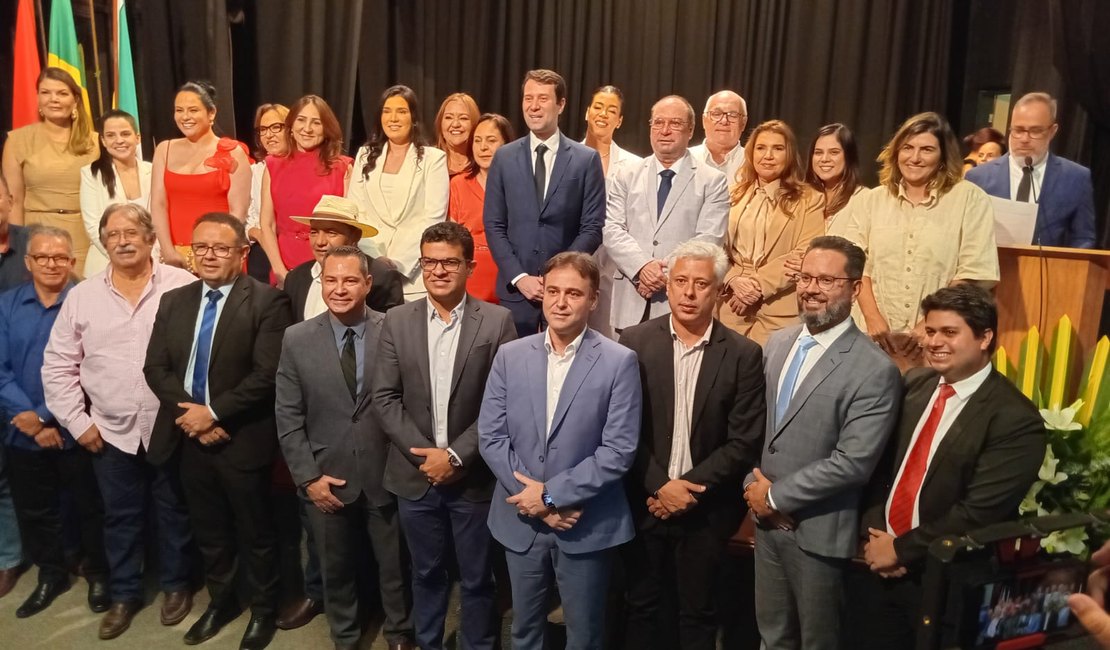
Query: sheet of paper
{"points": [[1014, 222]]}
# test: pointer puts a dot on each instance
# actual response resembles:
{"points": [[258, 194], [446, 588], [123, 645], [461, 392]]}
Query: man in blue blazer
{"points": [[1029, 172], [559, 427], [545, 194]]}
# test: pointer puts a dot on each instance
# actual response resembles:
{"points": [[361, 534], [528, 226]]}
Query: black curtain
{"points": [[868, 64]]}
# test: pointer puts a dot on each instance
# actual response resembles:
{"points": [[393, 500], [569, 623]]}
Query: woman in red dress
{"points": [[468, 196], [196, 174], [293, 183]]}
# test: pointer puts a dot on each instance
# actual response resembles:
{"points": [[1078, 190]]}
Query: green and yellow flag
{"points": [[63, 49], [126, 96]]}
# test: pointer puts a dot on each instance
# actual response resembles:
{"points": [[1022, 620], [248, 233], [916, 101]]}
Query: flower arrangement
{"points": [[1075, 475]]}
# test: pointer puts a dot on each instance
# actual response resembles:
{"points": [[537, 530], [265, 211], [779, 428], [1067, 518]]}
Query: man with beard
{"points": [[832, 401]]}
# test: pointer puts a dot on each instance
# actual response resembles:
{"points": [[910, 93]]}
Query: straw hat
{"points": [[340, 210]]}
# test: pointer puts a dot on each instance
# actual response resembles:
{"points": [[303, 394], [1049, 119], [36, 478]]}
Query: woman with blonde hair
{"points": [[923, 228], [42, 161], [774, 216], [455, 122]]}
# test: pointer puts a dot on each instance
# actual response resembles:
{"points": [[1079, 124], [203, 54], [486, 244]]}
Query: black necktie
{"points": [[348, 363], [664, 190], [541, 172], [1026, 184]]}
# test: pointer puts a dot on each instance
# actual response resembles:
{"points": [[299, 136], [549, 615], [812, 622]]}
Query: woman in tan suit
{"points": [[774, 215]]}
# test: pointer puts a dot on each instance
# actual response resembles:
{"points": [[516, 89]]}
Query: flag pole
{"points": [[41, 25], [96, 58]]}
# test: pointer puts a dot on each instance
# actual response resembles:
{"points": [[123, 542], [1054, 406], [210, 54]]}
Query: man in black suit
{"points": [[211, 361], [967, 448], [334, 222], [703, 423], [428, 386], [336, 451]]}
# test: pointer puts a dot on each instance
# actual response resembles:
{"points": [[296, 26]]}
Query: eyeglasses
{"points": [[824, 282], [131, 234], [451, 264], [718, 115], [275, 128], [1036, 132], [45, 260], [675, 124], [219, 250]]}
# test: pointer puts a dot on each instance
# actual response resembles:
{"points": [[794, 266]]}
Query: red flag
{"points": [[25, 104]]}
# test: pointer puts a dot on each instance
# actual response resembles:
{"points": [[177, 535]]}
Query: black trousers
{"points": [[670, 573], [884, 612], [230, 512], [38, 479]]}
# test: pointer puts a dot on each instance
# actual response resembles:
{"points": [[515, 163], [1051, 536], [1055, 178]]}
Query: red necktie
{"points": [[905, 493]]}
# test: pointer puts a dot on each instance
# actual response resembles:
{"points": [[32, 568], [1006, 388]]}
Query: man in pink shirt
{"points": [[93, 382]]}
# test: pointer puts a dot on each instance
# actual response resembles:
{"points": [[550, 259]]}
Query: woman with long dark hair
{"points": [[400, 185], [117, 176], [833, 170]]}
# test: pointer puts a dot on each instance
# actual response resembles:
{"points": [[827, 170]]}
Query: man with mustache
{"points": [[96, 353], [832, 401]]}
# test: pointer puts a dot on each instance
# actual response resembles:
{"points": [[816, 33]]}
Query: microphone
{"points": [[1032, 180]]}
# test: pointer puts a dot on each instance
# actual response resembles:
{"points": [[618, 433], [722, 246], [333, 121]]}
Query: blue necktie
{"points": [[204, 347], [790, 381], [663, 191]]}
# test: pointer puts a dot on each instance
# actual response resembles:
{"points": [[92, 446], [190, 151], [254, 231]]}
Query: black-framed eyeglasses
{"points": [[275, 128], [824, 282], [718, 115], [45, 260], [1035, 132], [658, 124], [219, 250], [451, 264]]}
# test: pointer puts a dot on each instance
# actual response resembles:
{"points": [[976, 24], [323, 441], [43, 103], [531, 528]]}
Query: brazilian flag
{"points": [[63, 49]]}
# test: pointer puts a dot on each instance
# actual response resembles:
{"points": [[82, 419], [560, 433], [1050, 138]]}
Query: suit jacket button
{"points": [[655, 243], [771, 449], [354, 419], [541, 459]]}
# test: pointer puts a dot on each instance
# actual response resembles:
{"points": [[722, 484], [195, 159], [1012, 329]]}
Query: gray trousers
{"points": [[799, 596]]}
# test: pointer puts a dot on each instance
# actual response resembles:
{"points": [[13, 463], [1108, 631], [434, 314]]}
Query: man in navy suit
{"points": [[545, 195], [559, 427], [1029, 172]]}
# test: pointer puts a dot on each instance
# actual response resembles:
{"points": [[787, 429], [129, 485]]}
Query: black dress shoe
{"points": [[208, 625], [260, 631], [100, 600], [41, 597]]}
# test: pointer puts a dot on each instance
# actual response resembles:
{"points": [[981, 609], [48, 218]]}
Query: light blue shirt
{"points": [[204, 289], [339, 329]]}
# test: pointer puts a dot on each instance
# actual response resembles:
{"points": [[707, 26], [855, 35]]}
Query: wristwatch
{"points": [[547, 500], [767, 501], [453, 459]]}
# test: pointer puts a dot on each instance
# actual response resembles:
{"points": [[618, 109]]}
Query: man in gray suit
{"points": [[832, 402], [432, 366], [336, 451], [655, 205]]}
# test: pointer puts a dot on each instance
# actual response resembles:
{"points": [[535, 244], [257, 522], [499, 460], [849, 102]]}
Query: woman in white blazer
{"points": [[400, 186], [118, 176]]}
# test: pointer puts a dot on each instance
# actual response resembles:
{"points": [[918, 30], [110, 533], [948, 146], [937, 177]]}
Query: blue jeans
{"points": [[11, 550], [130, 486]]}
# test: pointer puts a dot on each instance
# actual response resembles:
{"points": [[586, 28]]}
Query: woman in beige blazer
{"points": [[118, 176], [400, 186], [774, 216]]}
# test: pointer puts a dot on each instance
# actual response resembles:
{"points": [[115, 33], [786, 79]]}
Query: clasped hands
{"points": [[529, 502], [29, 424], [880, 555], [676, 497], [755, 494], [651, 279], [437, 467], [741, 293], [197, 423]]}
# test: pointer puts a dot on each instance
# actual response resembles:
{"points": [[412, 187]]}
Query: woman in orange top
{"points": [[196, 174], [468, 198]]}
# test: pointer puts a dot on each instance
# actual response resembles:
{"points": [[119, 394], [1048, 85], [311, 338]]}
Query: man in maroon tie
{"points": [[967, 448]]}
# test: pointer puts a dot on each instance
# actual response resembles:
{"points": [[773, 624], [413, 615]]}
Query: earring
{"points": [[73, 115], [41, 113]]}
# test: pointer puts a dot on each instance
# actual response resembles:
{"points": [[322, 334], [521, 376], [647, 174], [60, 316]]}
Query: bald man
{"points": [[724, 119]]}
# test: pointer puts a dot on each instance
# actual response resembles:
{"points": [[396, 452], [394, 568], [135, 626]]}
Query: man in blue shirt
{"points": [[43, 457], [13, 244]]}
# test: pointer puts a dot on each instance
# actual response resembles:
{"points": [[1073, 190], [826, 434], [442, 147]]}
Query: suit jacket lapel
{"points": [[660, 354], [774, 363], [537, 369], [186, 339], [472, 322], [963, 422], [916, 403], [584, 361], [239, 293], [777, 224], [817, 374], [1048, 186], [707, 376], [678, 187], [562, 161], [326, 352], [370, 348]]}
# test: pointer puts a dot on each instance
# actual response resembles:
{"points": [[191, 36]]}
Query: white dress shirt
{"points": [[675, 167], [687, 367], [548, 156], [204, 289], [734, 160], [1038, 178], [443, 344], [558, 365], [964, 389], [314, 304]]}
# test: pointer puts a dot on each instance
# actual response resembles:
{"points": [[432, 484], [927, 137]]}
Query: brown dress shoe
{"points": [[118, 619], [176, 605], [299, 614], [8, 579]]}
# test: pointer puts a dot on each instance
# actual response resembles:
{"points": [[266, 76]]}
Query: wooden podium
{"points": [[1039, 284]]}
